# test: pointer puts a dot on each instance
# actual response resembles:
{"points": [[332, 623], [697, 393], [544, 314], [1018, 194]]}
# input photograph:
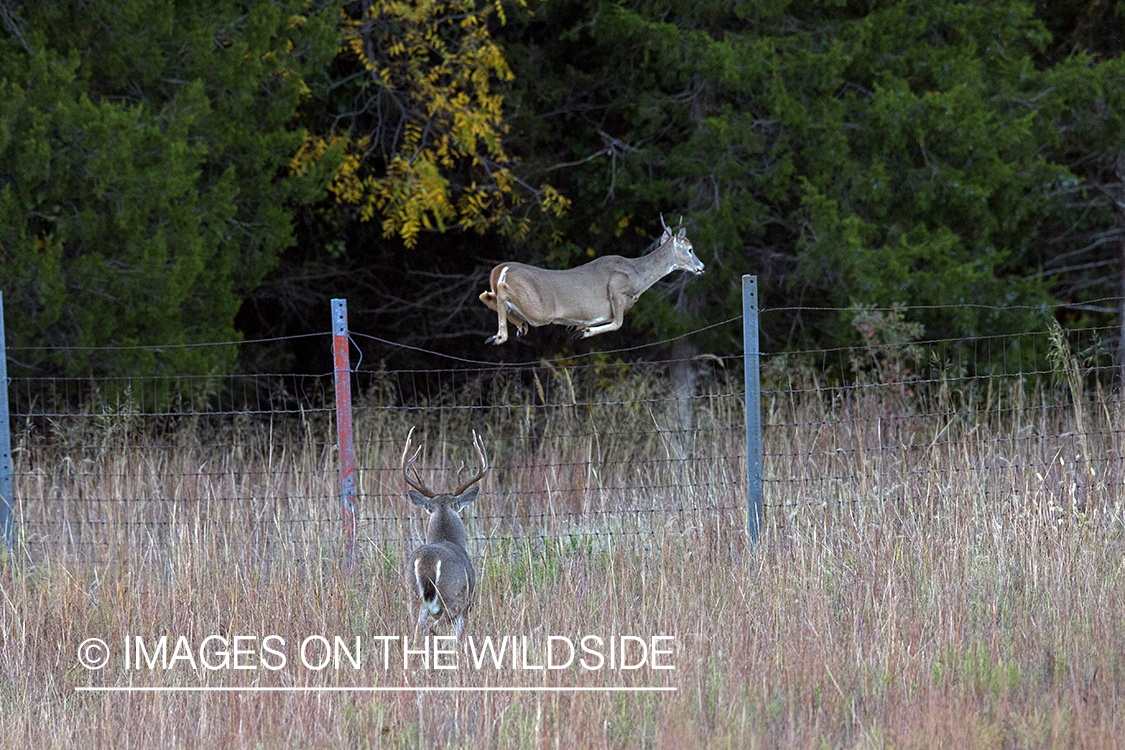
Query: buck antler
{"points": [[478, 443], [417, 482]]}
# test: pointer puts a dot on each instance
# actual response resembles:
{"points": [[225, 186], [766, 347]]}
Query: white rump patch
{"points": [[503, 275], [418, 577], [437, 573]]}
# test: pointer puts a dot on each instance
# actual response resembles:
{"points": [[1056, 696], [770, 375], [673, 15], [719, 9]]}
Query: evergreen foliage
{"points": [[141, 187], [846, 154], [180, 172]]}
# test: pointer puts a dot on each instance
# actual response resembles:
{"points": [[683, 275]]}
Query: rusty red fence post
{"points": [[343, 371]]}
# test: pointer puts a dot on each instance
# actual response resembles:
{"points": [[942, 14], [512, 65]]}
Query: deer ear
{"points": [[682, 234], [421, 500], [465, 497]]}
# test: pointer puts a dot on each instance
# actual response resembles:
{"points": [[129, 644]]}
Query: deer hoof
{"points": [[494, 340]]}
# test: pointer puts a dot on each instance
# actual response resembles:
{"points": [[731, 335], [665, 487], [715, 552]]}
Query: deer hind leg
{"points": [[502, 329], [423, 626], [500, 299]]}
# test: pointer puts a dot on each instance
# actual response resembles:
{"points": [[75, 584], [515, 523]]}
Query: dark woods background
{"points": [[183, 172]]}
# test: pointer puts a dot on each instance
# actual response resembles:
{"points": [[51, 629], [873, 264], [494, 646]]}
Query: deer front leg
{"points": [[618, 304]]}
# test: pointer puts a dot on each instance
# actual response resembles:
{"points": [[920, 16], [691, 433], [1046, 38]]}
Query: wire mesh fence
{"points": [[1027, 422], [586, 453]]}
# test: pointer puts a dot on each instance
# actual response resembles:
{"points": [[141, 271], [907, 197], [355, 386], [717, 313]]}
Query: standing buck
{"points": [[443, 574], [593, 297]]}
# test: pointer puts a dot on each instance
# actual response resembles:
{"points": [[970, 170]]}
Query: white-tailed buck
{"points": [[444, 580], [592, 298]]}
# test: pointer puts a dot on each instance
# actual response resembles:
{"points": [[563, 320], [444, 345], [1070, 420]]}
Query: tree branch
{"points": [[14, 24]]}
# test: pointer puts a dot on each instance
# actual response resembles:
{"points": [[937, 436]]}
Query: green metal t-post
{"points": [[7, 500], [753, 405]]}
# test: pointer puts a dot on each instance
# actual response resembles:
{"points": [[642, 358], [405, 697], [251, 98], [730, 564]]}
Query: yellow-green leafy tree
{"points": [[421, 143]]}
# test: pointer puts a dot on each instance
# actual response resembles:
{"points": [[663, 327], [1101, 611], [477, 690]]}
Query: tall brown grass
{"points": [[938, 568]]}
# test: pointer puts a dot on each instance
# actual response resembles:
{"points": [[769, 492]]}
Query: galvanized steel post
{"points": [[753, 405], [343, 372], [7, 500]]}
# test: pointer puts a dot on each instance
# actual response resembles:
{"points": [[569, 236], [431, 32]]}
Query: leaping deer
{"points": [[593, 297], [443, 573]]}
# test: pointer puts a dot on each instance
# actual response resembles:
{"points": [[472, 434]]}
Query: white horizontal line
{"points": [[362, 689]]}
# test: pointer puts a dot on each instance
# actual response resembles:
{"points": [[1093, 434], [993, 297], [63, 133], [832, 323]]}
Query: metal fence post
{"points": [[753, 405], [344, 421], [7, 500]]}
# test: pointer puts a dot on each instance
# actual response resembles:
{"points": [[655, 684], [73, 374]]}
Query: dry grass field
{"points": [[936, 569]]}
